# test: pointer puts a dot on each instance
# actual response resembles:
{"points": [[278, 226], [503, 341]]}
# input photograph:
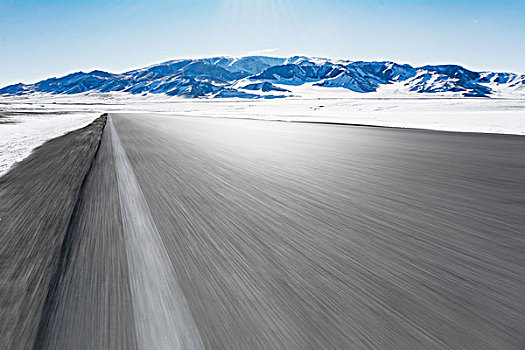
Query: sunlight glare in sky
{"points": [[40, 39], [258, 16]]}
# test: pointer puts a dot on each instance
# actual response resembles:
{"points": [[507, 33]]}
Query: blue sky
{"points": [[40, 39]]}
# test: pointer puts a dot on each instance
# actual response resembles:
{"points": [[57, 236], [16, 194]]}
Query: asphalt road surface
{"points": [[196, 233]]}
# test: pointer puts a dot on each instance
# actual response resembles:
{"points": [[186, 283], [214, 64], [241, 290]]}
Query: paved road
{"points": [[267, 235], [38, 198]]}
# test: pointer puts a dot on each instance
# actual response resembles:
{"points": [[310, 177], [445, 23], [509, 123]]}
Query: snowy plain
{"points": [[28, 121], [20, 134]]}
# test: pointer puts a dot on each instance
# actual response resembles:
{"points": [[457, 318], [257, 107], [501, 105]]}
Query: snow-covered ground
{"points": [[20, 134], [35, 119]]}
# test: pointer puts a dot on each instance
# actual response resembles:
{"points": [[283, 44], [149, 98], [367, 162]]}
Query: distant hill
{"points": [[273, 77]]}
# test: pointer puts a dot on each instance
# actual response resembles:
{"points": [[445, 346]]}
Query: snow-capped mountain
{"points": [[273, 77]]}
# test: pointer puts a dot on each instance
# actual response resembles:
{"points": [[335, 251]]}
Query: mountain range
{"points": [[274, 77]]}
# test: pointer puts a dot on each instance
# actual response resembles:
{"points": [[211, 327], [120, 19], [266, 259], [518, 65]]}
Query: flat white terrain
{"points": [[27, 122], [20, 134]]}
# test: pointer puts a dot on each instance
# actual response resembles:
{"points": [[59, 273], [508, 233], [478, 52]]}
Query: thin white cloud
{"points": [[261, 52]]}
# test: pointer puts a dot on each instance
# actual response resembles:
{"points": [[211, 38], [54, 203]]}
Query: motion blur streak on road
{"points": [[162, 317], [302, 236]]}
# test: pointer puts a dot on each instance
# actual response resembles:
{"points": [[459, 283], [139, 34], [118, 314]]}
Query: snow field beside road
{"points": [[20, 134], [26, 123]]}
